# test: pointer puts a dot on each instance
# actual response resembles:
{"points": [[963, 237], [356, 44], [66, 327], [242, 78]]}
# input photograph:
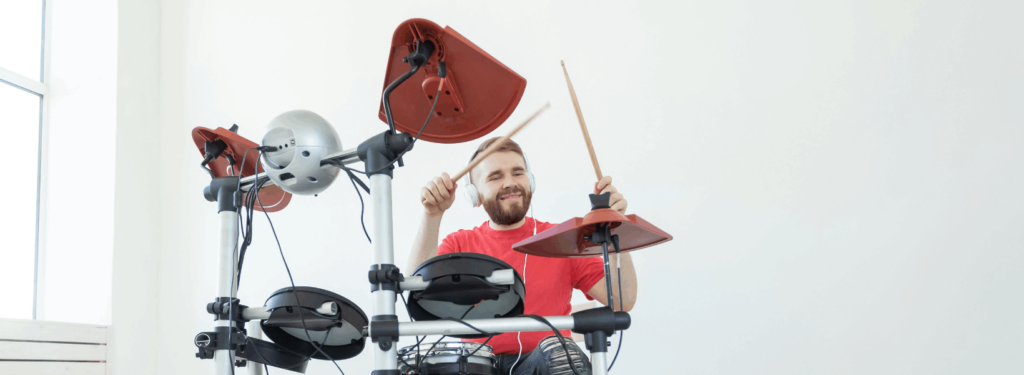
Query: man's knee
{"points": [[558, 361]]}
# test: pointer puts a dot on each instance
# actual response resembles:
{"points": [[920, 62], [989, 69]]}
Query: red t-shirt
{"points": [[549, 281]]}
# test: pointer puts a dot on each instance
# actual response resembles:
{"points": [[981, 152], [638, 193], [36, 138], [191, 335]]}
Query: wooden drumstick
{"points": [[583, 124], [497, 144]]}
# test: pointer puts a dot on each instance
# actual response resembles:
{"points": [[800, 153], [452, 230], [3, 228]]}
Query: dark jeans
{"points": [[548, 359]]}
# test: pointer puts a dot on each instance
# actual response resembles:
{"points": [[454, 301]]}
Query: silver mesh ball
{"points": [[303, 139]]}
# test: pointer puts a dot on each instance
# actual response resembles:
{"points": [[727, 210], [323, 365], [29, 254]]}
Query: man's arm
{"points": [[425, 245], [600, 291], [436, 197]]}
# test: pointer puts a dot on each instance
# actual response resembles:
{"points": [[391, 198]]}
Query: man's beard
{"points": [[501, 216]]}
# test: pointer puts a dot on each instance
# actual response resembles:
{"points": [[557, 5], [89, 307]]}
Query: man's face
{"points": [[503, 186]]}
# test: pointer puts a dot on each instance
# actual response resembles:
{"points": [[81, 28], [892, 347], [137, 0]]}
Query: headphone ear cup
{"points": [[472, 196], [529, 174]]}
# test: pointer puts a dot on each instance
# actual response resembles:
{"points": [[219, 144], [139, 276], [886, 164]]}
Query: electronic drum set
{"points": [[464, 93]]}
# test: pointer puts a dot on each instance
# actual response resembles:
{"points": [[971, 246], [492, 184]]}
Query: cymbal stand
{"points": [[597, 341], [227, 336]]}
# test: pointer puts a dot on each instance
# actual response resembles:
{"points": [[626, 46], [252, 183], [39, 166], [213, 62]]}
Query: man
{"points": [[504, 191]]}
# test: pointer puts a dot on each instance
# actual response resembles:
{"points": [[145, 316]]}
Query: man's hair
{"points": [[509, 145]]}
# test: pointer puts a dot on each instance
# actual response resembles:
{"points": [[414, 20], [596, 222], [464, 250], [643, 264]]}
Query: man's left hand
{"points": [[617, 202]]}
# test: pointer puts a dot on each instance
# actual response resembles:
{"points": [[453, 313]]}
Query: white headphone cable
{"points": [[524, 258]]}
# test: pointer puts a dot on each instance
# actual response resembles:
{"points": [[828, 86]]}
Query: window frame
{"points": [[40, 89]]}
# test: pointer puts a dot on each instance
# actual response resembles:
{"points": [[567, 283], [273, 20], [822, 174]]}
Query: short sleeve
{"points": [[450, 244], [586, 272]]}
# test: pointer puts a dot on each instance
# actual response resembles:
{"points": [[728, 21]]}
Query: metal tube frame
{"points": [[384, 301], [226, 286]]}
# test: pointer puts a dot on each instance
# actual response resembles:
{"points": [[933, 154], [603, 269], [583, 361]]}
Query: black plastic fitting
{"points": [[602, 200], [378, 151], [384, 276], [223, 308], [209, 342], [212, 150], [601, 319], [221, 190], [596, 342], [421, 54], [384, 330], [417, 58]]}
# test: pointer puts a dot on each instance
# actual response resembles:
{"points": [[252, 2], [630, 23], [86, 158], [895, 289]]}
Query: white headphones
{"points": [[473, 196]]}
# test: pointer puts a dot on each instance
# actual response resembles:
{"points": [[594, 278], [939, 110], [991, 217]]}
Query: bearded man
{"points": [[503, 185]]}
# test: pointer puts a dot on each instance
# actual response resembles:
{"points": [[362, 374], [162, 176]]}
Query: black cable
{"points": [[362, 208], [238, 186], [248, 204], [362, 204], [420, 361], [621, 334], [418, 342], [361, 217], [622, 306], [481, 345], [246, 230], [236, 272], [292, 280], [322, 343], [339, 164], [353, 176], [231, 300], [418, 339], [386, 95], [464, 316], [418, 134], [400, 358], [203, 167], [248, 207], [561, 339], [248, 198], [251, 198], [456, 320], [406, 304]]}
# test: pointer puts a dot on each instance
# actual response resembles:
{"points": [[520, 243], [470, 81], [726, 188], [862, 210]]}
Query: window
{"points": [[21, 118]]}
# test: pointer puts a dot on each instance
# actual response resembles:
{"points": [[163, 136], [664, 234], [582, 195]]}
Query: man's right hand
{"points": [[438, 195]]}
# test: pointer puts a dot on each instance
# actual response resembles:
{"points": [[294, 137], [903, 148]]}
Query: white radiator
{"points": [[51, 348]]}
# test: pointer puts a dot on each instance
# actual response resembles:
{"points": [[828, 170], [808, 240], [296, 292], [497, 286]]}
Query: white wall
{"points": [[134, 340], [842, 179]]}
